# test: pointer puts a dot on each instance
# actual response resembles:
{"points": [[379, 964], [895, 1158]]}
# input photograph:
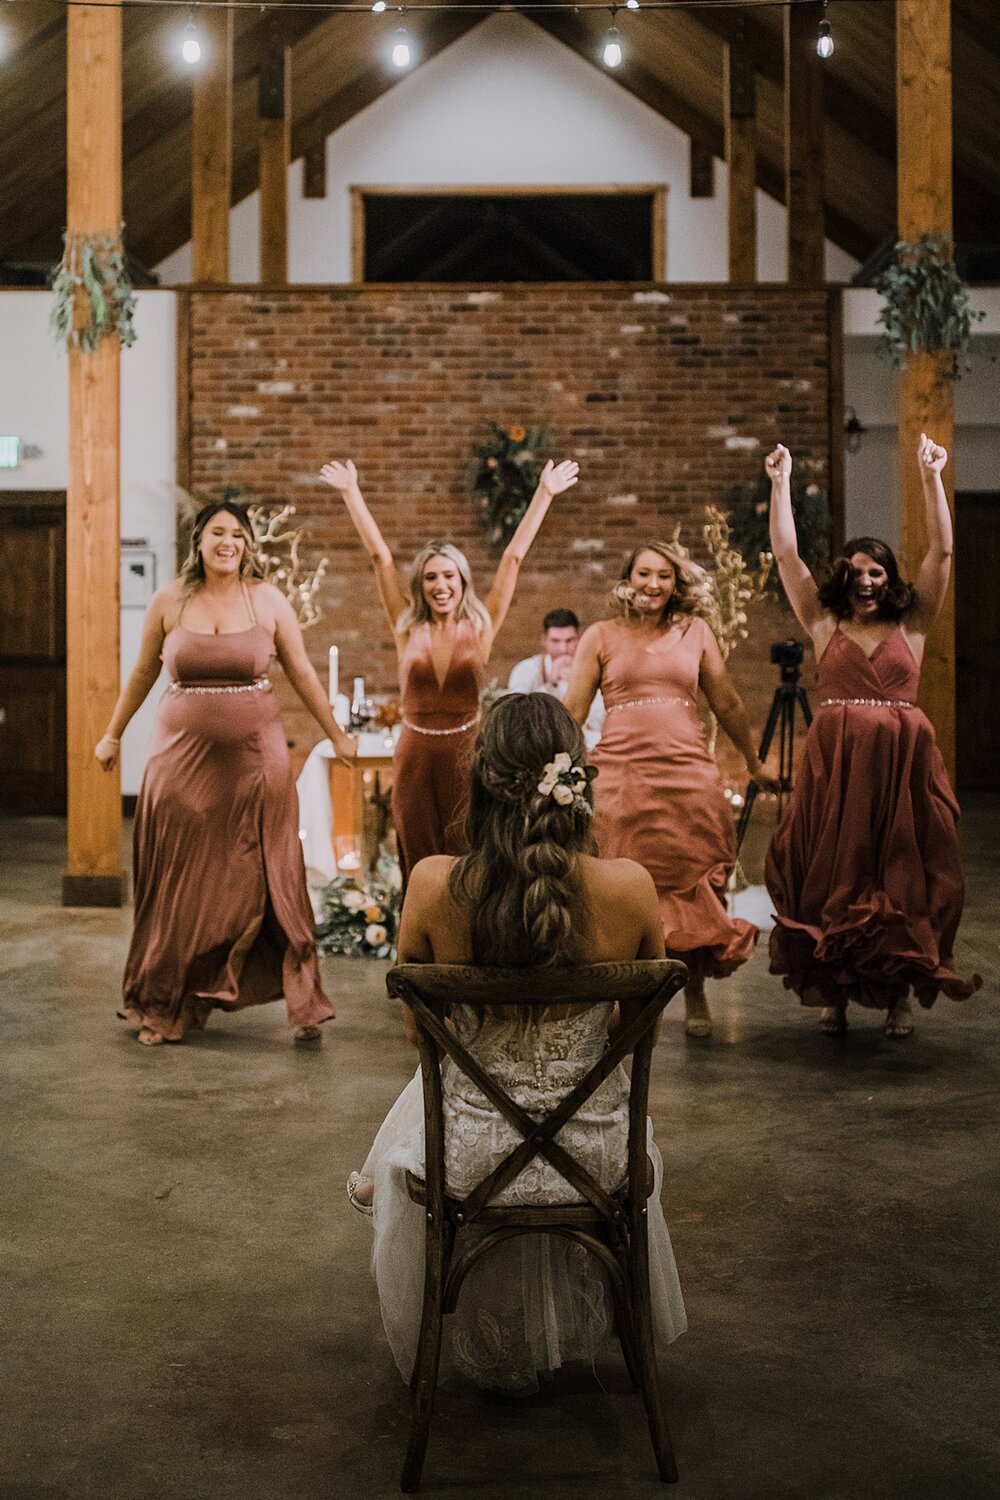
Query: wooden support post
{"points": [[314, 172], [275, 145], [926, 398], [94, 875], [740, 89], [804, 145], [212, 148], [702, 183]]}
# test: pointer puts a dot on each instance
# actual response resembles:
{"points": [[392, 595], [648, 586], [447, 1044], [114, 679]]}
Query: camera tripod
{"points": [[788, 656]]}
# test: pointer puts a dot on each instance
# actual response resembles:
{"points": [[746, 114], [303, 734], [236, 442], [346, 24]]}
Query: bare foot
{"points": [[307, 1034], [899, 1021], [361, 1192], [697, 1018], [150, 1038], [833, 1020]]}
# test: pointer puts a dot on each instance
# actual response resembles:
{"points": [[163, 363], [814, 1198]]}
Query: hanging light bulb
{"points": [[613, 48], [378, 7], [824, 41], [191, 47], [402, 53]]}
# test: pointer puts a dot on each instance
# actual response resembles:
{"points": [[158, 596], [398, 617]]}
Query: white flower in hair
{"points": [[552, 771], [563, 794]]}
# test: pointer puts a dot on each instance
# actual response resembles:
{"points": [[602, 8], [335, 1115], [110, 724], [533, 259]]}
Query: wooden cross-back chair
{"points": [[611, 1226]]}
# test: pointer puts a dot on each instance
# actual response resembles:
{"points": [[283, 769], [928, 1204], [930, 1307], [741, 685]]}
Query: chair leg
{"points": [[649, 1378], [625, 1328], [423, 1381]]}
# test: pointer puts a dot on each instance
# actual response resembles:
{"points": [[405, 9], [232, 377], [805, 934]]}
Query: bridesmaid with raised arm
{"points": [[222, 914], [444, 635], [864, 869], [658, 795]]}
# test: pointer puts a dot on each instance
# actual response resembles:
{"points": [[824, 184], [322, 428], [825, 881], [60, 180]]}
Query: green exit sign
{"points": [[10, 452]]}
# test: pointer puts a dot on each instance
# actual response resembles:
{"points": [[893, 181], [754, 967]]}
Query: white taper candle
{"points": [[334, 673]]}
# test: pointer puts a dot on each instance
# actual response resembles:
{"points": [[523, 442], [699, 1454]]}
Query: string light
{"points": [[824, 42], [402, 51], [613, 48], [378, 7], [191, 47], [631, 4]]}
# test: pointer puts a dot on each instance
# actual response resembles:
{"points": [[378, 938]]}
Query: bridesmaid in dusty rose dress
{"points": [[222, 914], [864, 869], [658, 793], [444, 635]]}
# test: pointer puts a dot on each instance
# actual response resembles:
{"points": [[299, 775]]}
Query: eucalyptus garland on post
{"points": [[94, 297], [504, 475], [926, 304]]}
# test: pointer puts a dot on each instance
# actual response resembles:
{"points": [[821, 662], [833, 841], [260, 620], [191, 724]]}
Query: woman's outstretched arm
{"points": [[585, 678], [343, 477], [799, 584], [142, 678], [555, 478], [730, 710], [302, 674], [935, 570]]}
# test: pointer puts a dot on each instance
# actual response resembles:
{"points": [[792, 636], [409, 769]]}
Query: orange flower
{"points": [[516, 434]]}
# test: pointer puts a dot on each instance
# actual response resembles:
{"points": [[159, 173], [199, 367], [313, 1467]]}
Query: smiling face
{"points": [[442, 585], [222, 544], [654, 578], [867, 586]]}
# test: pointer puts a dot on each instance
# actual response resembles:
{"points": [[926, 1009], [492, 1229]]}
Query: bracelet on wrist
{"points": [[112, 738]]}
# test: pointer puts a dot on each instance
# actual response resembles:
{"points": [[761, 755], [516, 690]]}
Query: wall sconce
{"points": [[854, 431]]}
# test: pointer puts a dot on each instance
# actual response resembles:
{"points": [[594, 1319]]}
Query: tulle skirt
{"points": [[528, 1306]]}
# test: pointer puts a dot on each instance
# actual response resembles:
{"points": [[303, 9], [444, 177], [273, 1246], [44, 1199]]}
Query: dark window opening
{"points": [[503, 237]]}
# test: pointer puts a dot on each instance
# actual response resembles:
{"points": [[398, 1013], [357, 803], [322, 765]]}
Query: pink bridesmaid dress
{"points": [[658, 793]]}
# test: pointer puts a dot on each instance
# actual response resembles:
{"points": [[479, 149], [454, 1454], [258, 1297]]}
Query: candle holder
{"points": [[350, 855]]}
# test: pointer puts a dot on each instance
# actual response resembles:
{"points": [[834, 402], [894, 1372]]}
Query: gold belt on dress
{"points": [[262, 685], [458, 729], [866, 703], [640, 702]]}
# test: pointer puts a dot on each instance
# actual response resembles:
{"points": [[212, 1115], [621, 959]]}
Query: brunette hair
{"points": [[560, 619], [521, 880], [898, 596], [693, 592], [418, 611], [193, 568]]}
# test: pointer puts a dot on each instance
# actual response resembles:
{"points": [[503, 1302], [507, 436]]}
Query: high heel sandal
{"points": [[353, 1183], [306, 1034]]}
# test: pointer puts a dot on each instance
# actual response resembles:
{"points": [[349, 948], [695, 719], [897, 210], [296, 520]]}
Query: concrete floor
{"points": [[187, 1310]]}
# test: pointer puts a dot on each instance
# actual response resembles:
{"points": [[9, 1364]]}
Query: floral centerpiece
{"points": [[359, 917], [503, 477]]}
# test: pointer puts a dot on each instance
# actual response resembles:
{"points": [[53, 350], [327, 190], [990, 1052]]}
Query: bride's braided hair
{"points": [[520, 879]]}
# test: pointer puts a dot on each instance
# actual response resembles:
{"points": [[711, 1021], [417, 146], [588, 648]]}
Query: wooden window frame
{"points": [[657, 190]]}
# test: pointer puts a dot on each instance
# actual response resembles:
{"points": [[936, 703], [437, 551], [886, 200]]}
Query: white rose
{"points": [[562, 762], [375, 934], [355, 900], [563, 794]]}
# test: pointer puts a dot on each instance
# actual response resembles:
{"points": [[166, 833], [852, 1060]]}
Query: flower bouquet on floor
{"points": [[359, 916]]}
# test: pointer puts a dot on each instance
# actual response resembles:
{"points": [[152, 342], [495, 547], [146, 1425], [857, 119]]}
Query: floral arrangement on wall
{"points": [[503, 477]]}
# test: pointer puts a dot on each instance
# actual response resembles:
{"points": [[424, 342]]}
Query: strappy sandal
{"points": [[147, 1037], [306, 1034], [353, 1183], [833, 1021]]}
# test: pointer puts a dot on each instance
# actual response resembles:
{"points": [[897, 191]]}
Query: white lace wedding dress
{"points": [[533, 1303]]}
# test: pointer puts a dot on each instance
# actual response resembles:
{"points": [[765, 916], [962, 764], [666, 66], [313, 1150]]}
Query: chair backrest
{"points": [[642, 987]]}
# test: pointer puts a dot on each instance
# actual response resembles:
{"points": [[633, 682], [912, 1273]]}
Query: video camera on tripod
{"points": [[788, 656]]}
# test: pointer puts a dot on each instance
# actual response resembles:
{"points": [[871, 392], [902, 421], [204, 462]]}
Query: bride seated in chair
{"points": [[530, 893]]}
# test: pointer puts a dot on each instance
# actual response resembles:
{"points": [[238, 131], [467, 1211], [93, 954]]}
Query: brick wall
{"points": [[666, 399]]}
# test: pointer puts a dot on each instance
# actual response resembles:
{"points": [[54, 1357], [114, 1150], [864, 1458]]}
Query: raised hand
{"points": [[558, 477], [338, 476], [931, 455], [778, 464]]}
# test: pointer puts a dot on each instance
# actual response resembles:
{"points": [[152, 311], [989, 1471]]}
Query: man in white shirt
{"points": [[549, 671]]}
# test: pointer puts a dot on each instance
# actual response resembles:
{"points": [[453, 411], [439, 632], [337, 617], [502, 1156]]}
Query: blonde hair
{"points": [[418, 611], [693, 592], [192, 574]]}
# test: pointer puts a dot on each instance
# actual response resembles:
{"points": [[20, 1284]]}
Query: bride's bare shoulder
{"points": [[619, 878], [429, 878]]}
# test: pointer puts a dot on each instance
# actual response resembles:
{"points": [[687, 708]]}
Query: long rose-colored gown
{"points": [[864, 869], [432, 759], [222, 914], [658, 793]]}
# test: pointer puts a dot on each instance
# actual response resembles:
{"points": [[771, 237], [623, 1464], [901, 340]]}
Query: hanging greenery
{"points": [[503, 477], [94, 297], [926, 304], [750, 533]]}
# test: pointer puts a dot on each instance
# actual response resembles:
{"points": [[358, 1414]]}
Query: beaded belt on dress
{"points": [[262, 685], [866, 703], [641, 702], [458, 729]]}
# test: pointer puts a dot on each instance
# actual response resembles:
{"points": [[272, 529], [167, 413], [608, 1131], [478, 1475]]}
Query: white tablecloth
{"points": [[316, 810]]}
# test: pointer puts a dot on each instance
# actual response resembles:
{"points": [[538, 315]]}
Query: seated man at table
{"points": [[549, 671]]}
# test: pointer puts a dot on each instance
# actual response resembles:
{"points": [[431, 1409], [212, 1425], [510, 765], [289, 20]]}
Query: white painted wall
{"points": [[506, 104], [871, 386], [34, 404]]}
